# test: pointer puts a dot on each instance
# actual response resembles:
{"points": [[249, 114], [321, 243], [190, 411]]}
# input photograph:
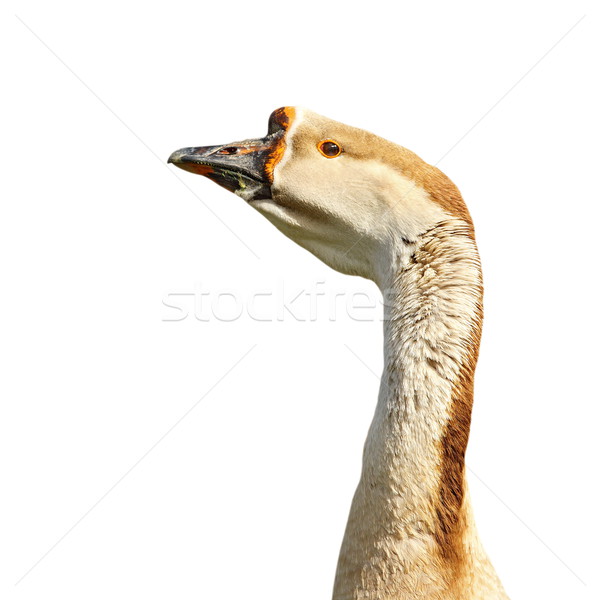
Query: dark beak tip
{"points": [[174, 158]]}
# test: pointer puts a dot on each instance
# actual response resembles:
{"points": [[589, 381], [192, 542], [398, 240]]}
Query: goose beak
{"points": [[244, 168]]}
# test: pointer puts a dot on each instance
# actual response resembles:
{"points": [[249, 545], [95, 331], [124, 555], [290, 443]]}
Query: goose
{"points": [[368, 207]]}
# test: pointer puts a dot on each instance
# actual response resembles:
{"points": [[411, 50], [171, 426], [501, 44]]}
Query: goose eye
{"points": [[329, 148]]}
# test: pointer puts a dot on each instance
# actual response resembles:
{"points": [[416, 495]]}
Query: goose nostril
{"points": [[228, 150]]}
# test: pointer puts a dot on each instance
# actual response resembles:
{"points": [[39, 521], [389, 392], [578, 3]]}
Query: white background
{"points": [[247, 496]]}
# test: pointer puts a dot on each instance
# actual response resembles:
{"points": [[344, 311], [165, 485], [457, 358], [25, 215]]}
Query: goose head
{"points": [[353, 199]]}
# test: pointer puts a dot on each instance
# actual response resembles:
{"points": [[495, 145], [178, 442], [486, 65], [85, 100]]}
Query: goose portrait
{"points": [[366, 206]]}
